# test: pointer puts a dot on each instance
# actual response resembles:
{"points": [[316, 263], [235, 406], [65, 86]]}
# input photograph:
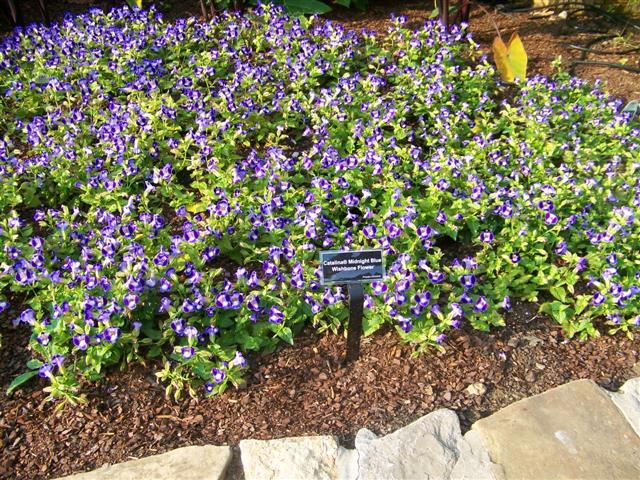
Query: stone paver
{"points": [[627, 399], [429, 448], [291, 458], [576, 431], [571, 432], [187, 463], [474, 462]]}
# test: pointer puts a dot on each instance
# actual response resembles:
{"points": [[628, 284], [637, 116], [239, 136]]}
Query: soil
{"points": [[299, 390], [304, 389]]}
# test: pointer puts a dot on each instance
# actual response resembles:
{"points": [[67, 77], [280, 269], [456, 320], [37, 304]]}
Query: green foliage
{"points": [[166, 189]]}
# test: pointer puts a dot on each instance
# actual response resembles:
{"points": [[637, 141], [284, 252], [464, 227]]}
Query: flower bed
{"points": [[166, 189]]}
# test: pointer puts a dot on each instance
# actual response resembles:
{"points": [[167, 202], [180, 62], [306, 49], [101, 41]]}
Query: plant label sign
{"points": [[351, 266]]}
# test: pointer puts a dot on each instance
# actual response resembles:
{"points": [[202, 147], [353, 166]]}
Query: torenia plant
{"points": [[166, 189]]}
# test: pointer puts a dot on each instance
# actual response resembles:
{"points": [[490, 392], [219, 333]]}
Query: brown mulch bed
{"points": [[299, 390], [303, 389]]}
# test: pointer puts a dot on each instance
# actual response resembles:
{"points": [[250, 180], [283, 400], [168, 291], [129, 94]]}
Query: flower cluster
{"points": [[166, 189]]}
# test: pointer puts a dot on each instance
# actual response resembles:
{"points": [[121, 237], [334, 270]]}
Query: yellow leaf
{"points": [[139, 3], [517, 57], [501, 57]]}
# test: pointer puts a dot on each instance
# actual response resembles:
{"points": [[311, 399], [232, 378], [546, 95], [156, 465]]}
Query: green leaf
{"points": [[154, 352], [559, 293], [20, 380], [305, 7], [151, 332], [34, 364], [285, 334], [582, 303], [344, 3]]}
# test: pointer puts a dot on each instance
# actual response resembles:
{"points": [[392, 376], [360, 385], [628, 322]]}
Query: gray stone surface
{"points": [[188, 463], [474, 462], [312, 458], [347, 464], [570, 432], [627, 399], [426, 449]]}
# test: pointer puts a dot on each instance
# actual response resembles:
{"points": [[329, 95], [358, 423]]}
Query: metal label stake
{"points": [[352, 268], [354, 329]]}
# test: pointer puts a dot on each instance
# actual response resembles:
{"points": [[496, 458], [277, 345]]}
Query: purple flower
{"points": [[188, 352], [424, 232], [165, 303], [436, 276], [470, 263], [598, 298], [369, 231], [486, 236], [378, 287], [422, 299], [350, 200], [275, 315], [223, 301], [253, 303], [130, 301], [402, 286], [57, 360], [43, 339], [506, 303], [328, 298], [514, 257], [481, 304], [177, 326], [269, 268], [239, 360], [218, 375], [45, 370], [405, 324], [81, 341], [441, 217], [550, 218], [561, 248], [191, 331], [468, 281], [111, 334], [161, 259]]}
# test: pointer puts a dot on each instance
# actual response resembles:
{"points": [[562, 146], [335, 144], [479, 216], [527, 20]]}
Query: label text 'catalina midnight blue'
{"points": [[358, 266]]}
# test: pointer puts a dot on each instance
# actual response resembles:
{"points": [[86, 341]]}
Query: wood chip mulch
{"points": [[299, 390]]}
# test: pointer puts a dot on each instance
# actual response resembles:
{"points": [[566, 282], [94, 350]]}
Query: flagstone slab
{"points": [[312, 458], [474, 462], [188, 463], [429, 448], [572, 431], [627, 399]]}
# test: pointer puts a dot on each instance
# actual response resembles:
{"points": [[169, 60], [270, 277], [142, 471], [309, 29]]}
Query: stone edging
{"points": [[577, 430]]}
